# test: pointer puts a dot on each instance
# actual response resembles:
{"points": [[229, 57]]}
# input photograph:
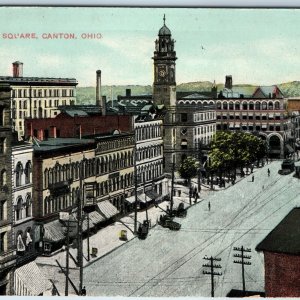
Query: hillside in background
{"points": [[87, 95]]}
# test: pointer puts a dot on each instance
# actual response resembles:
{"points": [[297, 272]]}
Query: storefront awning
{"points": [[263, 126], [231, 125], [96, 218], [30, 281], [271, 115], [289, 148], [107, 209], [237, 126], [130, 199], [144, 198], [153, 195], [54, 231], [277, 114]]}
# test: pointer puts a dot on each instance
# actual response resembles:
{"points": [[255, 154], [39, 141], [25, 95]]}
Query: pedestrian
{"points": [[179, 193], [83, 291], [252, 178], [269, 172], [209, 205]]}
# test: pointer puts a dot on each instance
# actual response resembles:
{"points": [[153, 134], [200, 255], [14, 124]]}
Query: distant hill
{"points": [[87, 95]]}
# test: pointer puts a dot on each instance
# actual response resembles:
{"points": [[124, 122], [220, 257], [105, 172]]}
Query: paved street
{"points": [[169, 263]]}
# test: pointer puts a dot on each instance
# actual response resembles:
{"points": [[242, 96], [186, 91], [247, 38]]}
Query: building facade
{"points": [[22, 198], [149, 158], [7, 247], [266, 117], [37, 97], [281, 257]]}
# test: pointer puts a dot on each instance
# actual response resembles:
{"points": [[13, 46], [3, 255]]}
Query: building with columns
{"points": [[37, 97]]}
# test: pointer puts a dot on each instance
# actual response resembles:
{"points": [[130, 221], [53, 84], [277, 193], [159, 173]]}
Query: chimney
{"points": [[103, 105], [100, 102], [128, 92], [228, 82], [17, 69], [98, 88]]}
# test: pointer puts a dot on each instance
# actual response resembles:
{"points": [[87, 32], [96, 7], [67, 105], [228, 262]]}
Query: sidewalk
{"points": [[105, 240]]}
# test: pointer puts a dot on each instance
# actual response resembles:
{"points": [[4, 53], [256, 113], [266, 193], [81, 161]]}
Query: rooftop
{"points": [[11, 79], [285, 237]]}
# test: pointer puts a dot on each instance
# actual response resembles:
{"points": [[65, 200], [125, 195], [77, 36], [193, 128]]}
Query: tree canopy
{"points": [[235, 149], [189, 168]]}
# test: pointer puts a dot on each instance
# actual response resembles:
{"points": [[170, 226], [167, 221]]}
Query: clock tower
{"points": [[164, 86]]}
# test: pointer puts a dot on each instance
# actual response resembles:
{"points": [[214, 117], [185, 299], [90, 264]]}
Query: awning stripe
{"points": [[107, 209], [30, 281]]}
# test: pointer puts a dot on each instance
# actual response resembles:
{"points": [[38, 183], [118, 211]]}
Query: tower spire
{"points": [[164, 19]]}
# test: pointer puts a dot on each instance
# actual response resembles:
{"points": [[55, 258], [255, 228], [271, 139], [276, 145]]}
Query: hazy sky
{"points": [[258, 46]]}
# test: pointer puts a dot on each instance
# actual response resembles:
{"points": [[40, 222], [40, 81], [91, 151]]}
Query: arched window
{"points": [[257, 105], [28, 206], [28, 171], [225, 105], [18, 208], [3, 178], [277, 105], [19, 171], [237, 106]]}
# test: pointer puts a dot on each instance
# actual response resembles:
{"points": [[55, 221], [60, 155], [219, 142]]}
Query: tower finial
{"points": [[164, 19]]}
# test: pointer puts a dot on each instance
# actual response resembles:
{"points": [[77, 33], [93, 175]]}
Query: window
{"points": [[3, 178], [19, 209], [2, 241], [184, 117], [27, 172], [2, 145], [3, 210], [28, 206], [19, 171]]}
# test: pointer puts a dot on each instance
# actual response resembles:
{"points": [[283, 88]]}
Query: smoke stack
{"points": [[228, 82], [128, 92], [17, 69], [98, 89]]}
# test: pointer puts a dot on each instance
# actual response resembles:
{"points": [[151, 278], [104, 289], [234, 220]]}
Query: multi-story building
{"points": [[190, 119], [37, 97], [152, 185], [265, 116], [22, 200], [7, 249]]}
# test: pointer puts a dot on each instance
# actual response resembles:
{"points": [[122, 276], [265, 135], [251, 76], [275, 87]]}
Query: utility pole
{"points": [[242, 256], [172, 187], [79, 238], [200, 163], [211, 271], [67, 259], [88, 236], [135, 191]]}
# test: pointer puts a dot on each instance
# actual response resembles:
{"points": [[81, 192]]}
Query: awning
{"points": [[107, 209], [244, 114], [231, 125], [264, 114], [237, 126], [184, 143], [277, 114], [152, 194], [144, 198], [96, 218], [130, 199], [271, 115], [30, 281], [250, 114], [263, 126], [289, 148], [54, 231]]}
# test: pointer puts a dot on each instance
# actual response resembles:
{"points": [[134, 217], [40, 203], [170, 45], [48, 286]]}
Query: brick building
{"points": [[7, 247], [282, 257], [75, 124], [37, 97]]}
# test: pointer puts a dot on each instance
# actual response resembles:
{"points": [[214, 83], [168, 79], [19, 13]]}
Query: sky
{"points": [[255, 46]]}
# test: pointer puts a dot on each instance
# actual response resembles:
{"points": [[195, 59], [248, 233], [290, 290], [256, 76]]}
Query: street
{"points": [[169, 263]]}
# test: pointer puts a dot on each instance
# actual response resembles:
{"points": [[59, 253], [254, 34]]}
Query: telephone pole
{"points": [[211, 271], [242, 256], [67, 259], [172, 187], [200, 164], [135, 191]]}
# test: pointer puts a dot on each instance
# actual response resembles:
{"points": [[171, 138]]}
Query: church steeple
{"points": [[164, 67]]}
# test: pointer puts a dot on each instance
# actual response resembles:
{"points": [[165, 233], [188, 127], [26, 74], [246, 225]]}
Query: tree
{"points": [[188, 169], [231, 150]]}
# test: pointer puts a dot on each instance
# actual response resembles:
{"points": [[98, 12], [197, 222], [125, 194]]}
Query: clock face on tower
{"points": [[162, 73]]}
